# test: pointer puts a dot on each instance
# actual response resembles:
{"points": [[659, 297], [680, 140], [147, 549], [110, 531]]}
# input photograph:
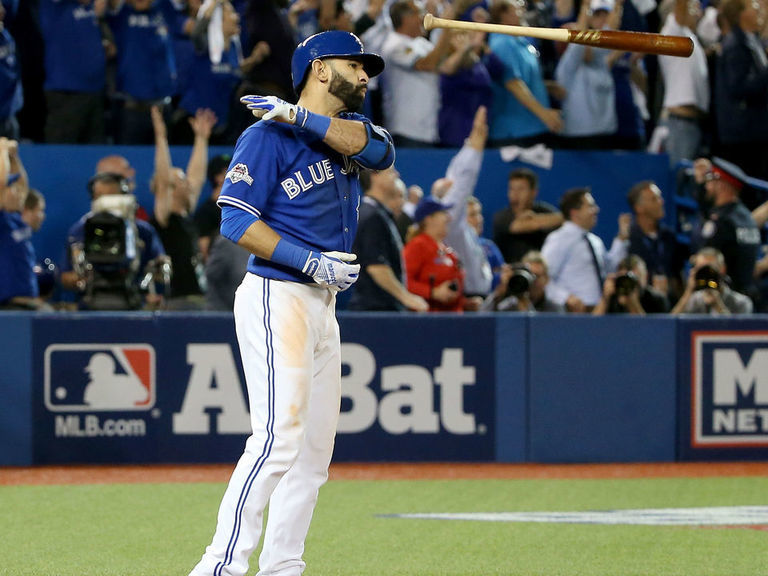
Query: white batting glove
{"points": [[332, 269], [271, 108]]}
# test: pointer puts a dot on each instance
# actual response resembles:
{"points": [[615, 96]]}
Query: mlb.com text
{"points": [[91, 426]]}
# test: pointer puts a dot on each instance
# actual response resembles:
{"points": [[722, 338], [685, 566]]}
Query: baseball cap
{"points": [[429, 205], [597, 5], [735, 176]]}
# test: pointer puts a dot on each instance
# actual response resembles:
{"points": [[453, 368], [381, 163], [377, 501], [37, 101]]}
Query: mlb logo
{"points": [[99, 377], [729, 389]]}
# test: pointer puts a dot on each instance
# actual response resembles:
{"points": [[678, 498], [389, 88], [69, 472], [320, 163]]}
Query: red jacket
{"points": [[428, 264]]}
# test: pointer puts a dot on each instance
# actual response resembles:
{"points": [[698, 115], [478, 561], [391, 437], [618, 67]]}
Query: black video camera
{"points": [[109, 239], [109, 256], [708, 277]]}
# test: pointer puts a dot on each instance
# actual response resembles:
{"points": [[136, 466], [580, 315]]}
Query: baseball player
{"points": [[291, 197]]}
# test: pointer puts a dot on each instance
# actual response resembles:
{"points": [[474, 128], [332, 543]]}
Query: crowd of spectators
{"points": [[165, 72], [417, 252], [548, 260], [89, 71]]}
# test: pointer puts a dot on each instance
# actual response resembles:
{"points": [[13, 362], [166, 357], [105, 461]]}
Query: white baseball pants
{"points": [[290, 348]]}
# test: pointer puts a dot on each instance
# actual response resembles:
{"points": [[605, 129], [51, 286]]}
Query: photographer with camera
{"points": [[627, 291], [707, 290], [523, 288], [112, 256]]}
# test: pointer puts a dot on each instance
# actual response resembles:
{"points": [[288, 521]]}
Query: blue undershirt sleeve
{"points": [[234, 222]]}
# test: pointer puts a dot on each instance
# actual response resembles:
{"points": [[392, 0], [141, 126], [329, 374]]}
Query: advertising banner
{"points": [[723, 390], [417, 388], [170, 388], [138, 388]]}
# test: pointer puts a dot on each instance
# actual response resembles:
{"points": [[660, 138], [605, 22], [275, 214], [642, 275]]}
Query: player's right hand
{"points": [[271, 108], [332, 269]]}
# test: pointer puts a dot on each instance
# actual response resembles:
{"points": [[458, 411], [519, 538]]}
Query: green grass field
{"points": [[162, 529]]}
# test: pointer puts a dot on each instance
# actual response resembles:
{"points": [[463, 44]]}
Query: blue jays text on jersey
{"points": [[305, 191], [319, 173]]}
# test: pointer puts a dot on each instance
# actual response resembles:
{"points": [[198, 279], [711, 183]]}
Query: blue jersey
{"points": [[146, 66], [211, 85], [11, 97], [17, 258], [74, 56], [184, 56], [304, 190]]}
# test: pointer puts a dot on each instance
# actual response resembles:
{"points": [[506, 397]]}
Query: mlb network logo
{"points": [[99, 377], [729, 389]]}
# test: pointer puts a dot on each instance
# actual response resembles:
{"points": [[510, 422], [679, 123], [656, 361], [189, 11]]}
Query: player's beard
{"points": [[352, 96]]}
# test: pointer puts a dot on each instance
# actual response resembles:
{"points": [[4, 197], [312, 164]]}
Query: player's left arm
{"points": [[374, 150], [354, 136]]}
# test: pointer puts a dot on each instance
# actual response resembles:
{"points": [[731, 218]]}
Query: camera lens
{"points": [[625, 284], [520, 282], [707, 277]]}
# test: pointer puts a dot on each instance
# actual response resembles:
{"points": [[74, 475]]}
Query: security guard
{"points": [[730, 227]]}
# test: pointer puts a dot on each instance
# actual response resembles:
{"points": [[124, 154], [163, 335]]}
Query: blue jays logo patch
{"points": [[99, 377]]}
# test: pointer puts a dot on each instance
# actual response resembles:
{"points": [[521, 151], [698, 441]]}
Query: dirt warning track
{"points": [[379, 471]]}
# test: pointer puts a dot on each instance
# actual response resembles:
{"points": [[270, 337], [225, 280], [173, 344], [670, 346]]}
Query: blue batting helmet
{"points": [[331, 44]]}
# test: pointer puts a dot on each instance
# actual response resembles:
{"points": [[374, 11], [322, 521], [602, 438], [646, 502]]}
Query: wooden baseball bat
{"points": [[615, 39]]}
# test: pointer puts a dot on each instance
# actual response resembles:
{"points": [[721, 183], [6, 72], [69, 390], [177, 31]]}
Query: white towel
{"points": [[657, 142], [644, 6], [215, 32], [538, 155]]}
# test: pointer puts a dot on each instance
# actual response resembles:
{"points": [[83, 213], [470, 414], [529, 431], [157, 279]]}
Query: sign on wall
{"points": [[170, 388], [724, 394], [416, 390]]}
